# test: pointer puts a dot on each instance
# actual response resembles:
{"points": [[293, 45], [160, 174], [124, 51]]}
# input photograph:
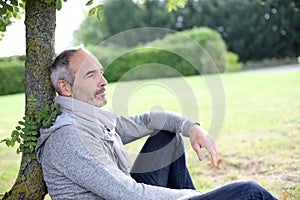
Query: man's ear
{"points": [[64, 88]]}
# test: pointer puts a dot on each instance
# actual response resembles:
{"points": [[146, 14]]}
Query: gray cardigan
{"points": [[79, 162]]}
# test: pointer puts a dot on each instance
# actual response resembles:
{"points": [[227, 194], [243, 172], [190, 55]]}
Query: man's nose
{"points": [[102, 81]]}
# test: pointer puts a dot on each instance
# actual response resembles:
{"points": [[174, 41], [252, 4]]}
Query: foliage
{"points": [[13, 8], [232, 62], [151, 59], [11, 76], [98, 10], [165, 52], [9, 10], [254, 30], [212, 42], [27, 133], [173, 5], [130, 15]]}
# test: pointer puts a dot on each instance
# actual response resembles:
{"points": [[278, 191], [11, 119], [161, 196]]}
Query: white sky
{"points": [[67, 20]]}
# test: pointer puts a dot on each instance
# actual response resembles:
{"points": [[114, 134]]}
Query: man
{"points": [[83, 156]]}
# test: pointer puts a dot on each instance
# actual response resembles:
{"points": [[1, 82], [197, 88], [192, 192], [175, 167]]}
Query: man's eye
{"points": [[91, 75]]}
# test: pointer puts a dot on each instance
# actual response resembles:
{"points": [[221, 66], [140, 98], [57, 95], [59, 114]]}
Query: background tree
{"points": [[130, 15], [253, 29], [9, 10]]}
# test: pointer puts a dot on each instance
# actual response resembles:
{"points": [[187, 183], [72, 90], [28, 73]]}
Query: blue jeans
{"points": [[161, 162]]}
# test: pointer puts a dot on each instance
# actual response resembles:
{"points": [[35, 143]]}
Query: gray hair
{"points": [[60, 68]]}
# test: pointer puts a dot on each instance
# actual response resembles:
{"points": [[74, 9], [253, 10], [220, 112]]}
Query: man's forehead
{"points": [[84, 59]]}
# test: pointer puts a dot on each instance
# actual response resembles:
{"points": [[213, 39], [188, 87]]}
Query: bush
{"points": [[147, 64], [213, 44], [11, 77], [232, 63], [213, 49], [166, 57]]}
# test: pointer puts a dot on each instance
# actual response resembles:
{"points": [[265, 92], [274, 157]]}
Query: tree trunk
{"points": [[40, 21]]}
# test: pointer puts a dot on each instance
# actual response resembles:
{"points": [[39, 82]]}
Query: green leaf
{"points": [[57, 106], [99, 14], [15, 133], [26, 144], [22, 5], [21, 123], [16, 15], [89, 3], [24, 137], [4, 140], [34, 139], [38, 120], [10, 8], [33, 144], [47, 107], [2, 11], [58, 4], [92, 11], [14, 2], [100, 7], [34, 133], [7, 142]]}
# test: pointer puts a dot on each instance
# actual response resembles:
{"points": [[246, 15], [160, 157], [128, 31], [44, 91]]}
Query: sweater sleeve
{"points": [[97, 174], [137, 126]]}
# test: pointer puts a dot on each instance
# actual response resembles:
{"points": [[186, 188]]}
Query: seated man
{"points": [[83, 155]]}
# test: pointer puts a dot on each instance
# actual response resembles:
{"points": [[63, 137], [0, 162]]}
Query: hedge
{"points": [[159, 58], [11, 77]]}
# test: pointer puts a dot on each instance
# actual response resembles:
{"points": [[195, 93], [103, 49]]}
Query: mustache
{"points": [[100, 90]]}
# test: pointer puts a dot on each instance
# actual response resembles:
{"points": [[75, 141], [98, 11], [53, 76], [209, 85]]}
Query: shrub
{"points": [[166, 57], [147, 64], [213, 44], [232, 63], [11, 77]]}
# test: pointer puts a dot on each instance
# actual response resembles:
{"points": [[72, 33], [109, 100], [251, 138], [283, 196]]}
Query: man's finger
{"points": [[212, 148], [215, 155], [199, 152]]}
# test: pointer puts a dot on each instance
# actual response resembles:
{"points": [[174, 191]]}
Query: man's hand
{"points": [[200, 139]]}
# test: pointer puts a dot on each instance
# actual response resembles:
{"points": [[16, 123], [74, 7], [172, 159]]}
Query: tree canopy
{"points": [[253, 29]]}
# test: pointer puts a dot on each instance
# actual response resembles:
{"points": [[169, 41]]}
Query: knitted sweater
{"points": [[79, 160]]}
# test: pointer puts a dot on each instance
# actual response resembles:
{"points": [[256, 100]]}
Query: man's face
{"points": [[89, 83]]}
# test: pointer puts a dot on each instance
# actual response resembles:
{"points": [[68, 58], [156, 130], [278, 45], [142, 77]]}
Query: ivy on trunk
{"points": [[40, 21]]}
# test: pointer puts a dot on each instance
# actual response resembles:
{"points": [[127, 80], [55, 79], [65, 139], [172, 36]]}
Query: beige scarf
{"points": [[104, 118]]}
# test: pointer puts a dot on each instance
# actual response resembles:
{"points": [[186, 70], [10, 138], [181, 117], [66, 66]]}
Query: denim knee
{"points": [[256, 191]]}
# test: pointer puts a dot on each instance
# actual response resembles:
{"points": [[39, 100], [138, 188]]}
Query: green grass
{"points": [[260, 137], [11, 111]]}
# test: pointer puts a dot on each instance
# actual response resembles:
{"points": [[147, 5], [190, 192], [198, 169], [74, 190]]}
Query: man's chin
{"points": [[103, 102]]}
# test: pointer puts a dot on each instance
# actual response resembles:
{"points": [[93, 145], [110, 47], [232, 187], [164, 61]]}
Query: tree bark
{"points": [[40, 19]]}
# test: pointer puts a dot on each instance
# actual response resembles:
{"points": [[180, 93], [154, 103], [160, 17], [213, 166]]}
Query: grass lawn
{"points": [[259, 140]]}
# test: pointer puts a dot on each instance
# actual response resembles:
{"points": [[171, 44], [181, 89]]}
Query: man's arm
{"points": [[137, 126]]}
